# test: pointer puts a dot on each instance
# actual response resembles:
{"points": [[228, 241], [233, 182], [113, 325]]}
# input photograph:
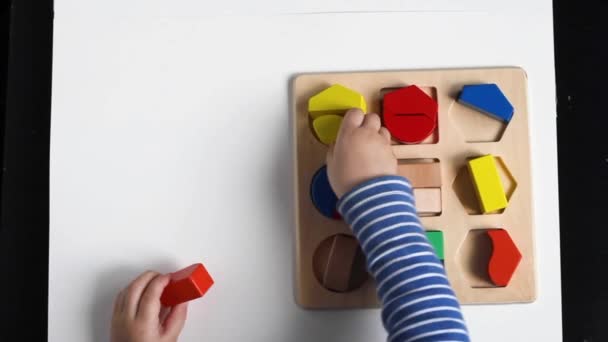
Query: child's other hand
{"points": [[138, 315], [362, 152]]}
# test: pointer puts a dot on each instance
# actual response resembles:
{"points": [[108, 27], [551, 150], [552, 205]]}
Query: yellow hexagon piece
{"points": [[335, 100], [326, 128]]}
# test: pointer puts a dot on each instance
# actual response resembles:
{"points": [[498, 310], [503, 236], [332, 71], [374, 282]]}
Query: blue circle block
{"points": [[323, 197]]}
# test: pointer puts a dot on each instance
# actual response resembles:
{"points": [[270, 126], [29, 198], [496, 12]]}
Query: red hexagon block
{"points": [[409, 114], [505, 257]]}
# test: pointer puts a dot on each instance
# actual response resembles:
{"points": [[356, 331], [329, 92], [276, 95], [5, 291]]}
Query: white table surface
{"points": [[171, 145]]}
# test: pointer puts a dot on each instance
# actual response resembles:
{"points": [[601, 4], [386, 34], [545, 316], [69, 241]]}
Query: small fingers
{"points": [[385, 133], [352, 119], [149, 305], [164, 312], [134, 291], [372, 121], [174, 323], [119, 302]]}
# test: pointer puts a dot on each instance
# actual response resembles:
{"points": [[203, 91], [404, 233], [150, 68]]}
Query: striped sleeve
{"points": [[418, 303]]}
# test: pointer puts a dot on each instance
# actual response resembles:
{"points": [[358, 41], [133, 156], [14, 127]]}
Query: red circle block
{"points": [[409, 114]]}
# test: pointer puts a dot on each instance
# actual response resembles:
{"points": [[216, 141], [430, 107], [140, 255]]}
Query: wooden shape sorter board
{"points": [[462, 134]]}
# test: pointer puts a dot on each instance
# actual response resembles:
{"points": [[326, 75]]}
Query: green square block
{"points": [[436, 239]]}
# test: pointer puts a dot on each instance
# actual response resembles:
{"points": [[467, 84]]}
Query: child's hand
{"points": [[138, 315], [362, 152]]}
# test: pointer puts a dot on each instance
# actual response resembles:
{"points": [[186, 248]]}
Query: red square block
{"points": [[190, 283]]}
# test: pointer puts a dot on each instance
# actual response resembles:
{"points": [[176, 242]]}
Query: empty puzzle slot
{"points": [[428, 201], [466, 191], [475, 254], [339, 264], [425, 177], [405, 121], [489, 258], [481, 112]]}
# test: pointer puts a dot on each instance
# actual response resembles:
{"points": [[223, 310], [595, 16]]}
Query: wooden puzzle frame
{"points": [[465, 246]]}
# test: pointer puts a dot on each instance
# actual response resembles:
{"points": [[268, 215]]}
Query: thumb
{"points": [[353, 119], [174, 323]]}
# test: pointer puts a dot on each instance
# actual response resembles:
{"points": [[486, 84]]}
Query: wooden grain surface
{"points": [[453, 148]]}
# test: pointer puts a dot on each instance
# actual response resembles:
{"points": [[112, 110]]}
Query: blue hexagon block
{"points": [[488, 99], [322, 195]]}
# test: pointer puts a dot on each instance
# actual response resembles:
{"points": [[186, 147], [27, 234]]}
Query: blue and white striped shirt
{"points": [[418, 303]]}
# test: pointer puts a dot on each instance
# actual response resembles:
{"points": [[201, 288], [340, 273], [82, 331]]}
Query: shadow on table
{"points": [[281, 178], [334, 326], [109, 283]]}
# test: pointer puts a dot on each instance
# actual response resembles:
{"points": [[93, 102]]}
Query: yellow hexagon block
{"points": [[326, 128], [488, 186], [335, 100]]}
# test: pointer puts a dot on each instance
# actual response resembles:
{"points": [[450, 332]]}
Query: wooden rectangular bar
{"points": [[428, 201], [420, 174]]}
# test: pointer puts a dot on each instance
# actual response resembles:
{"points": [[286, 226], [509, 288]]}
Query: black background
{"points": [[581, 59], [24, 184]]}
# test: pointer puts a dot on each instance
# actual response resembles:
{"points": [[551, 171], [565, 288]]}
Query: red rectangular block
{"points": [[190, 283]]}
